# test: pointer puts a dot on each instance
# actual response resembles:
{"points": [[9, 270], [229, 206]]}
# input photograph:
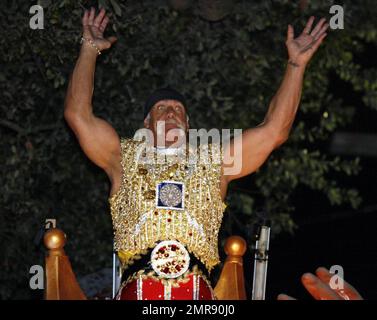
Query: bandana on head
{"points": [[162, 94]]}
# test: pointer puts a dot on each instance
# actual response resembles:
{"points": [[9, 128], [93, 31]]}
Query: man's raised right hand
{"points": [[94, 27]]}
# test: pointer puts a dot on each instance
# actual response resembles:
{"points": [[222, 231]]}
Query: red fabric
{"points": [[154, 290]]}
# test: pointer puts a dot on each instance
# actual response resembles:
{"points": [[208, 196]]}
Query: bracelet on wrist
{"points": [[91, 43]]}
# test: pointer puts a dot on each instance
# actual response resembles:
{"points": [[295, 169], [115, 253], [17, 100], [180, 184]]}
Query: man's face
{"points": [[172, 114]]}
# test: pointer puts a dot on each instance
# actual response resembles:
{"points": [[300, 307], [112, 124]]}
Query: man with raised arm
{"points": [[167, 214]]}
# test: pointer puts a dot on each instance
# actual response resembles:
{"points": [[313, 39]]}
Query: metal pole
{"points": [[114, 275], [260, 262]]}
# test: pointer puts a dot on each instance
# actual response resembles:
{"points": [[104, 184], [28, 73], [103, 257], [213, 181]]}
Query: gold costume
{"points": [[140, 222]]}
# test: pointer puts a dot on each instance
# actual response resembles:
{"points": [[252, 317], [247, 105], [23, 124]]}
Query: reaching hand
{"points": [[319, 287], [94, 27], [302, 48]]}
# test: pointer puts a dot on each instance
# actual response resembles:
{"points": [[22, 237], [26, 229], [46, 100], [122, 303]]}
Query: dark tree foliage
{"points": [[228, 69]]}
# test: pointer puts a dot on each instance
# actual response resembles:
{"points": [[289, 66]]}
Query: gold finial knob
{"points": [[54, 239], [235, 246]]}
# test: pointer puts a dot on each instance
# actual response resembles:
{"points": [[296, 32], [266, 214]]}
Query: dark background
{"points": [[327, 236], [318, 188]]}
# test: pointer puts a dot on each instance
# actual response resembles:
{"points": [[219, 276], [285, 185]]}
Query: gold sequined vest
{"points": [[139, 219]]}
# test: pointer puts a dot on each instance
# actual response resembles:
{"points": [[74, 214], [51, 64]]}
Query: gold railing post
{"points": [[231, 284], [61, 283]]}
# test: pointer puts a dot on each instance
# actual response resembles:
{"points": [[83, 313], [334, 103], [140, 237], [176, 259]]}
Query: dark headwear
{"points": [[162, 94]]}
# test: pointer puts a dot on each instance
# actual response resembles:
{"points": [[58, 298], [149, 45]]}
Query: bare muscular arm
{"points": [[97, 138], [257, 143]]}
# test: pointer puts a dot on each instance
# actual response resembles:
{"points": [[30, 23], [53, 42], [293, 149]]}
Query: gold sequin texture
{"points": [[139, 225]]}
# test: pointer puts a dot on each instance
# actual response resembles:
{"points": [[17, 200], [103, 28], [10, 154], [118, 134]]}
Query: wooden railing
{"points": [[61, 282]]}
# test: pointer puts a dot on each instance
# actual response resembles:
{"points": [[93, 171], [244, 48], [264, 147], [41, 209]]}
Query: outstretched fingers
{"points": [[309, 25], [91, 16], [98, 20], [317, 288], [320, 29], [318, 42], [290, 33], [85, 18], [104, 23], [112, 39], [347, 292], [85, 23]]}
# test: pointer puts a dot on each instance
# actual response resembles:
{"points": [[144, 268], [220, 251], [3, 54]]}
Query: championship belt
{"points": [[170, 259]]}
